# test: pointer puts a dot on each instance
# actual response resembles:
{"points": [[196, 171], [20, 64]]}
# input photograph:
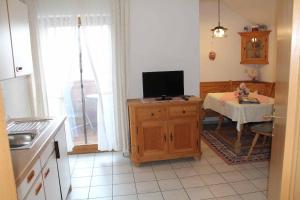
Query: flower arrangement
{"points": [[242, 91], [252, 73]]}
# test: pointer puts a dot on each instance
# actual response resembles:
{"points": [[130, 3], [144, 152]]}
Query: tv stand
{"points": [[163, 98], [165, 130]]}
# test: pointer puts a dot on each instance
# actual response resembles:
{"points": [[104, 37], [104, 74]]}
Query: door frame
{"points": [[291, 159]]}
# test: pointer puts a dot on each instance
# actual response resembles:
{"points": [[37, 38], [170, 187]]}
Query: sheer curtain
{"points": [[104, 44], [59, 45]]}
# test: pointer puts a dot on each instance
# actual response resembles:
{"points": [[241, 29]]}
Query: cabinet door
{"points": [[182, 135], [62, 161], [152, 136], [20, 37], [37, 191], [6, 57], [51, 179]]}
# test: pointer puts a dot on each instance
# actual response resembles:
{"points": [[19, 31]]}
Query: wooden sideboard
{"points": [[163, 130]]}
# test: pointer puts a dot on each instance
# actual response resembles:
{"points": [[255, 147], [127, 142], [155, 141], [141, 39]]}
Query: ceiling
{"points": [[256, 11]]}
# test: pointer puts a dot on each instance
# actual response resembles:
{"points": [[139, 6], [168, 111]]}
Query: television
{"points": [[163, 84]]}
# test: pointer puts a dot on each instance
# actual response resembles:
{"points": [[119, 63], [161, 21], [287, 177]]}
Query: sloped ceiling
{"points": [[256, 11]]}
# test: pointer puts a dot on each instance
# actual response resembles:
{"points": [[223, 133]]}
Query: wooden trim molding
{"points": [[263, 88]]}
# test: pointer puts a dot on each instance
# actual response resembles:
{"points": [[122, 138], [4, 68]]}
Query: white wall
{"points": [[227, 64], [17, 98], [164, 35]]}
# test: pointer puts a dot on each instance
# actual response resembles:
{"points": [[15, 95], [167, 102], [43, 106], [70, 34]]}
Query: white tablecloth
{"points": [[227, 105]]}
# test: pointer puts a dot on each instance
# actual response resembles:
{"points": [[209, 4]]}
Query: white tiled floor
{"points": [[110, 176]]}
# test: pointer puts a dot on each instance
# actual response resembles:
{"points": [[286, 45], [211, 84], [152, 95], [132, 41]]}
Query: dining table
{"points": [[227, 104]]}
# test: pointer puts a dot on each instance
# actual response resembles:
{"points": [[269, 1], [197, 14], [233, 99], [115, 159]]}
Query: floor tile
{"points": [[214, 160], [143, 177], [261, 184], [79, 193], [100, 191], [142, 168], [194, 181], [165, 174], [81, 182], [102, 171], [147, 187], [199, 193], [82, 172], [185, 172], [122, 178], [261, 164], [84, 164], [201, 162], [124, 189], [177, 164], [235, 197], [223, 167], [252, 174], [254, 196], [212, 179], [122, 169], [169, 184], [151, 196], [206, 169], [127, 197], [233, 176], [244, 187], [175, 195], [244, 166], [162, 165], [222, 190], [101, 180]]}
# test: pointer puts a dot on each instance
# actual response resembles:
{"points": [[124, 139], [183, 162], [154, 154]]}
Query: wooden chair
{"points": [[265, 129]]}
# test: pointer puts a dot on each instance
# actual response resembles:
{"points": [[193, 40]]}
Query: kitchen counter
{"points": [[23, 160]]}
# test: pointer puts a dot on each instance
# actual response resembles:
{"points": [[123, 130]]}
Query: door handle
{"points": [[56, 149]]}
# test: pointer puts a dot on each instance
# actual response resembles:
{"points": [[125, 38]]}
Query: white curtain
{"points": [[120, 31], [104, 45]]}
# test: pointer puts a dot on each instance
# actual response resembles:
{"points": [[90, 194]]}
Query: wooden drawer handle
{"points": [[38, 189], [30, 176], [47, 173], [183, 111], [152, 114]]}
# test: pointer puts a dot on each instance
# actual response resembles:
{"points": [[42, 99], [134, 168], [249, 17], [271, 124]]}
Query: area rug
{"points": [[226, 152]]}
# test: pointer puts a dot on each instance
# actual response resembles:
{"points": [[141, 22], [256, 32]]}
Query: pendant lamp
{"points": [[219, 31]]}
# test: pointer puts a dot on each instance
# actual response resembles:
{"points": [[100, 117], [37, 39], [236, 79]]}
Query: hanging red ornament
{"points": [[212, 55]]}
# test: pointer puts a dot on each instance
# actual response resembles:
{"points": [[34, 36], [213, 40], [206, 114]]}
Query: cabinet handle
{"points": [[165, 138], [183, 111], [56, 149], [38, 189], [19, 69], [152, 114], [171, 137], [47, 173], [30, 176]]}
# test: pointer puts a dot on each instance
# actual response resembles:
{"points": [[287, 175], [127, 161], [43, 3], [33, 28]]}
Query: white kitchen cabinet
{"points": [[51, 181], [15, 51], [37, 191], [6, 57], [62, 158]]}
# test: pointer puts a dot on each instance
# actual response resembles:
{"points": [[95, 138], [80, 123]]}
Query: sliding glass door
{"points": [[77, 64]]}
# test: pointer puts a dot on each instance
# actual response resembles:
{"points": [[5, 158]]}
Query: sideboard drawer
{"points": [[151, 114], [181, 111]]}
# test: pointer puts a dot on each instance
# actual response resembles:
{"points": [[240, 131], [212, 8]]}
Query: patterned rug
{"points": [[226, 152]]}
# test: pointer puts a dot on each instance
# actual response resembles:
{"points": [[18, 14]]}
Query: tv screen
{"points": [[168, 83]]}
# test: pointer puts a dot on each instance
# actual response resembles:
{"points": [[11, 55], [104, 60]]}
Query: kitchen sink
{"points": [[22, 140]]}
